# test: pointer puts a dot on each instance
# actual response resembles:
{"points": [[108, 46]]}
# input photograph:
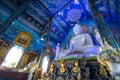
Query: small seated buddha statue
{"points": [[51, 69], [75, 68], [79, 76], [62, 67]]}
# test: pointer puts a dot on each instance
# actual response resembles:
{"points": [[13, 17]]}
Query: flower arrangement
{"points": [[109, 53]]}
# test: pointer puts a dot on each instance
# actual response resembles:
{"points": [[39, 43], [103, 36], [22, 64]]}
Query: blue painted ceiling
{"points": [[59, 15]]}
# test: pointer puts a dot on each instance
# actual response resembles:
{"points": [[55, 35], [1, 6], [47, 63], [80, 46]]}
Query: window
{"points": [[45, 64], [13, 56]]}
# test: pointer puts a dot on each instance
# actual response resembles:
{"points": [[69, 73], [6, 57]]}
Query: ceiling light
{"points": [[41, 39]]}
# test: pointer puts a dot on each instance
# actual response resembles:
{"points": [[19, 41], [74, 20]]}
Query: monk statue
{"points": [[80, 45]]}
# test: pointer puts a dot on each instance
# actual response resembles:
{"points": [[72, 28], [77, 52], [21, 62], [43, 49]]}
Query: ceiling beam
{"points": [[63, 7], [41, 7], [62, 28], [5, 25], [35, 18], [39, 3], [48, 12], [33, 8], [9, 4], [29, 25], [5, 9]]}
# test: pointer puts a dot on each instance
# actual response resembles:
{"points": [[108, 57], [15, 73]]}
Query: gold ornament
{"points": [[51, 69], [79, 77], [102, 70], [76, 68], [62, 66]]}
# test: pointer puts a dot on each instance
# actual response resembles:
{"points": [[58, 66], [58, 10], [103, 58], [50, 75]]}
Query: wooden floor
{"points": [[13, 75]]}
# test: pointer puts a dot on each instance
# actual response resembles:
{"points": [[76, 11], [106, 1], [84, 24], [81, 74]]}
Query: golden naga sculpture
{"points": [[103, 62], [62, 66], [76, 68], [51, 69], [102, 70]]}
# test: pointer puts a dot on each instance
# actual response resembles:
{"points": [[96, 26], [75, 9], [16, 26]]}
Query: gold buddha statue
{"points": [[62, 66], [51, 69], [76, 68], [79, 77]]}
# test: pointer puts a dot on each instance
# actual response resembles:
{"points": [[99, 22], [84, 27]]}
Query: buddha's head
{"points": [[77, 29]]}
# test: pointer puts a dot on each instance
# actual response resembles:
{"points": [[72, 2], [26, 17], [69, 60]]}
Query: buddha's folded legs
{"points": [[89, 52], [93, 49]]}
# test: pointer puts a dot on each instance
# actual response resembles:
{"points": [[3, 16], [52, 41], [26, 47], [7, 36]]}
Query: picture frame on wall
{"points": [[23, 39]]}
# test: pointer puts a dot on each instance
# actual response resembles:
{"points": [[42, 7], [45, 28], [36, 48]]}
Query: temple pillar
{"points": [[101, 25], [5, 25], [46, 43]]}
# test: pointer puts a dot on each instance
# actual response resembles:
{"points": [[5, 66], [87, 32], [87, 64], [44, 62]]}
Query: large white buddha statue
{"points": [[80, 45]]}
